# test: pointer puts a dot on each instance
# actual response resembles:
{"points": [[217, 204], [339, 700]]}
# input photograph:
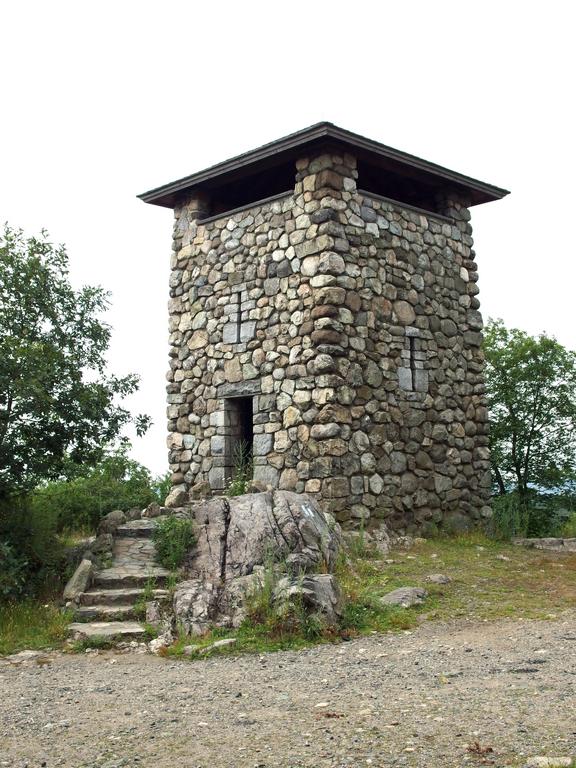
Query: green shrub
{"points": [[161, 487], [568, 530], [173, 537], [13, 571], [32, 558], [117, 482], [510, 517], [534, 515]]}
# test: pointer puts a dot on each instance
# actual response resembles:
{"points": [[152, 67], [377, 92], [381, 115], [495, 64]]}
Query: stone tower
{"points": [[324, 315]]}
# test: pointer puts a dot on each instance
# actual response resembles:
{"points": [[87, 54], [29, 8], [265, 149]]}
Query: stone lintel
{"points": [[240, 389]]}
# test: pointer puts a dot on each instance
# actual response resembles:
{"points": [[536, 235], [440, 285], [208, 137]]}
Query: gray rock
{"points": [[319, 593], [200, 491], [176, 498], [152, 510], [154, 613], [405, 597], [226, 642], [457, 523], [438, 578], [195, 605], [549, 762], [161, 642], [23, 656], [190, 650], [79, 582], [234, 540], [111, 521], [253, 524]]}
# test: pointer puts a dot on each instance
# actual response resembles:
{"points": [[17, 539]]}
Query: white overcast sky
{"points": [[102, 101]]}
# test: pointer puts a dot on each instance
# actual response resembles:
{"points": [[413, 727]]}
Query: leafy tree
{"points": [[531, 383], [58, 407]]}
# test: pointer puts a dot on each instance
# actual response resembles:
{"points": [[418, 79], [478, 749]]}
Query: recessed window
{"points": [[412, 374], [238, 328]]}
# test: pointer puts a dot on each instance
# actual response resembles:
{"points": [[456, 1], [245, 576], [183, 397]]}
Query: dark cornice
{"points": [[318, 134]]}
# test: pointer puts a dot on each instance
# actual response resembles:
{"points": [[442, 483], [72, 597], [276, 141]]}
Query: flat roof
{"points": [[380, 157]]}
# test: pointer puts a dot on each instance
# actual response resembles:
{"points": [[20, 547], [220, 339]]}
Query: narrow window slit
{"points": [[411, 350], [238, 321]]}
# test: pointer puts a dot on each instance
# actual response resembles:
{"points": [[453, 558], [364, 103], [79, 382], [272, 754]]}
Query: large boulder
{"points": [[245, 539], [236, 534]]}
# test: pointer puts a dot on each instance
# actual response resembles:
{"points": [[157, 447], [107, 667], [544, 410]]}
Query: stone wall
{"points": [[351, 323]]}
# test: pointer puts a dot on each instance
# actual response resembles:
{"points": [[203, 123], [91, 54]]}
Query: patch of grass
{"points": [[99, 642], [250, 638], [173, 537], [146, 596], [490, 579], [32, 625]]}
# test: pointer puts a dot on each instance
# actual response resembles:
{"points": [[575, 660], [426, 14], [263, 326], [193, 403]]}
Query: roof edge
{"points": [[305, 136]]}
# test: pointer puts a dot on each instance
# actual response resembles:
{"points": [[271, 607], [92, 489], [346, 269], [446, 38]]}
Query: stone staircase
{"points": [[113, 604]]}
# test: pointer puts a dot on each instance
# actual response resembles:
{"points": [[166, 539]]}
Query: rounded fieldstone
{"points": [[404, 312]]}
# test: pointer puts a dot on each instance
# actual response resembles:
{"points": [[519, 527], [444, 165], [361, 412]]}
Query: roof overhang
{"points": [[329, 136]]}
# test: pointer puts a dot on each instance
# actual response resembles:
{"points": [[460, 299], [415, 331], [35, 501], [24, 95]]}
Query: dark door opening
{"points": [[241, 438]]}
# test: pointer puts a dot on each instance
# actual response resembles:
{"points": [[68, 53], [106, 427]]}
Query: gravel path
{"points": [[410, 699]]}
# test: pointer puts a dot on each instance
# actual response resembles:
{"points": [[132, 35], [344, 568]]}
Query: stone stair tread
{"points": [[126, 595], [106, 628], [129, 576], [146, 572], [136, 528], [102, 611]]}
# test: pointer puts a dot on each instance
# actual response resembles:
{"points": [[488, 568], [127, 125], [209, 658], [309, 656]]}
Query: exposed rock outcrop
{"points": [[238, 537]]}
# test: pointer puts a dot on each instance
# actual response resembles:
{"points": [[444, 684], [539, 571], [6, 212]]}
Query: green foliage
{"points": [[358, 545], [13, 571], [531, 388], [161, 487], [530, 514], [145, 597], [173, 537], [242, 471], [116, 482], [568, 530], [33, 555], [510, 516], [57, 404], [279, 620], [30, 624]]}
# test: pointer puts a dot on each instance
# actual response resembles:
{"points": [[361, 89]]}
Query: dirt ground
{"points": [[444, 695]]}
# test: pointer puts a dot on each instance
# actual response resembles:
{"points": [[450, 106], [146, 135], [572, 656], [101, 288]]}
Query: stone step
{"points": [[123, 578], [109, 629], [134, 553], [105, 612], [136, 529], [120, 596]]}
